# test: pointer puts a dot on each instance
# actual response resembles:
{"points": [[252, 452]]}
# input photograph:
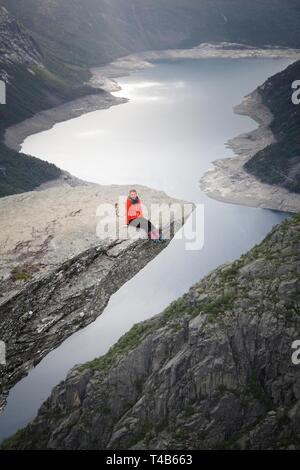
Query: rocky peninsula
{"points": [[57, 274]]}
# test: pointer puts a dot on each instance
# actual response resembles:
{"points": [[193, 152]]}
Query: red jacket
{"points": [[133, 211]]}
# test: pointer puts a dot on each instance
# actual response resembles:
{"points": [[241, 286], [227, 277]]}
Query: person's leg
{"points": [[153, 233], [139, 223], [147, 226]]}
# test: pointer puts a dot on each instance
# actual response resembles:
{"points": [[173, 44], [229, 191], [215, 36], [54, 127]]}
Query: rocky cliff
{"points": [[15, 43], [212, 371], [57, 272]]}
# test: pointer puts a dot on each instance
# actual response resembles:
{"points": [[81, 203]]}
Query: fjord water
{"points": [[177, 121]]}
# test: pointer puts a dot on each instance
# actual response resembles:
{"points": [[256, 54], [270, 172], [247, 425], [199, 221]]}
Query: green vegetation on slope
{"points": [[35, 80], [30, 91]]}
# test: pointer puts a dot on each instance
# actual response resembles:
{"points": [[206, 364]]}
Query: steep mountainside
{"points": [[16, 45], [30, 87], [279, 163], [214, 370], [96, 31], [19, 57]]}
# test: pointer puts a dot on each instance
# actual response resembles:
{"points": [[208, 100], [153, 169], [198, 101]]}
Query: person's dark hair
{"points": [[133, 191]]}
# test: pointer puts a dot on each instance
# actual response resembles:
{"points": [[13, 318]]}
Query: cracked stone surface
{"points": [[56, 274]]}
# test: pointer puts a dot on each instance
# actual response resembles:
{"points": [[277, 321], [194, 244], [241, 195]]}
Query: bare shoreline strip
{"points": [[229, 182], [45, 120], [133, 62]]}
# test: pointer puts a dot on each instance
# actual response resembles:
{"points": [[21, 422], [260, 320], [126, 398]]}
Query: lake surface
{"points": [[176, 123]]}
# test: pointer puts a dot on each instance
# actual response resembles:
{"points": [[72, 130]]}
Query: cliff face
{"points": [[15, 43], [56, 274], [214, 370], [279, 163]]}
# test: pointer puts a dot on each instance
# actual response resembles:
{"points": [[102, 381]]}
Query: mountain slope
{"points": [[214, 370], [96, 31], [31, 87], [18, 54], [279, 163]]}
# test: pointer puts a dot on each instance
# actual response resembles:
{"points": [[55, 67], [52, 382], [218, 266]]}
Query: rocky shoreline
{"points": [[15, 135], [228, 181], [105, 75]]}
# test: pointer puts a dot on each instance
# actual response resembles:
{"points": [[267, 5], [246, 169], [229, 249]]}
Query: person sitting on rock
{"points": [[134, 217]]}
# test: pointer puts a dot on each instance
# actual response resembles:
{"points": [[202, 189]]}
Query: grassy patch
{"points": [[18, 274], [258, 392], [11, 442]]}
